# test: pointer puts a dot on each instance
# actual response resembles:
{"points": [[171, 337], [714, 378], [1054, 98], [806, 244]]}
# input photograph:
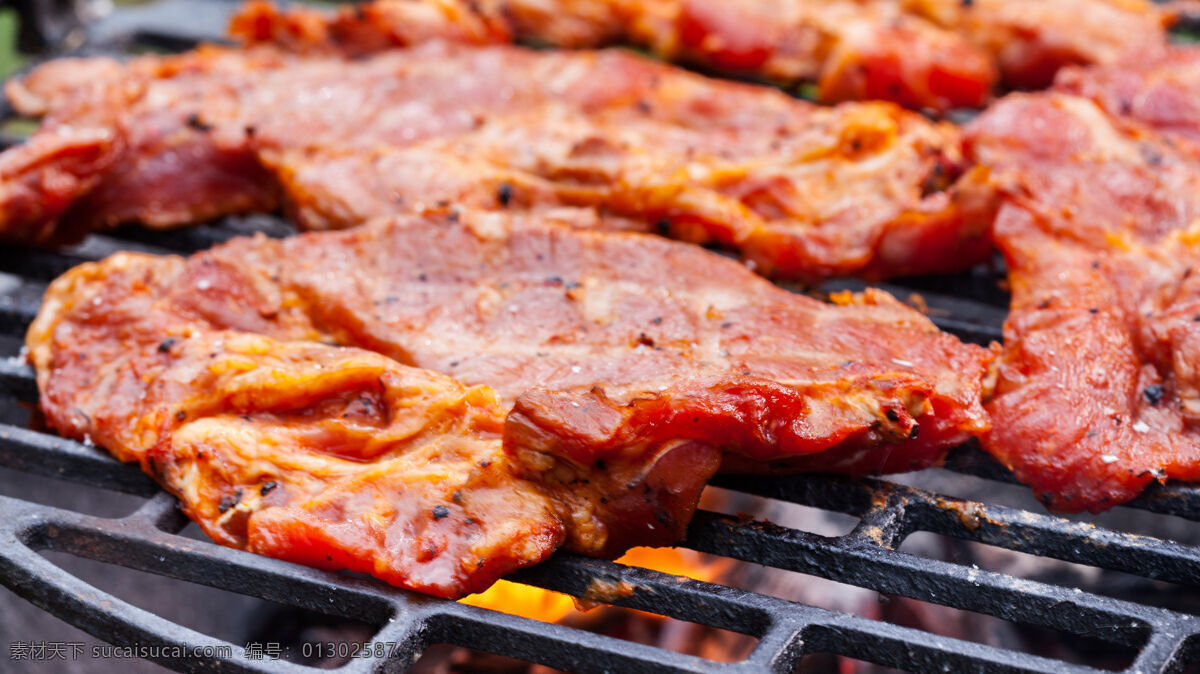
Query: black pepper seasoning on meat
{"points": [[440, 511], [1153, 394], [934, 182], [228, 501], [504, 194], [194, 121]]}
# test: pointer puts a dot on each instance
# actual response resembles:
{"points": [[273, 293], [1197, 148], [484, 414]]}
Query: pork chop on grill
{"points": [[1162, 92], [1031, 40], [852, 50], [935, 54], [273, 385], [281, 443], [593, 336], [801, 191], [334, 457], [367, 27], [1098, 390]]}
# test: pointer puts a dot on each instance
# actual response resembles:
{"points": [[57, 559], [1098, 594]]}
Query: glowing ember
{"points": [[524, 601], [548, 606]]}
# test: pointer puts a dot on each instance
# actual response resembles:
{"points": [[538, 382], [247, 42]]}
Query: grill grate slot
{"points": [[970, 305]]}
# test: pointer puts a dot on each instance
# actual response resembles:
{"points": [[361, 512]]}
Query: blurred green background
{"points": [[9, 60]]}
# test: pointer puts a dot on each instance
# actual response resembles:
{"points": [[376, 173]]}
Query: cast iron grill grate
{"points": [[867, 556]]}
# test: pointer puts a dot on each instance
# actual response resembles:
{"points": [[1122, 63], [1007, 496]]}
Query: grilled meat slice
{"points": [[363, 28], [935, 54], [1160, 92], [520, 304], [615, 339], [1097, 390], [802, 191], [1031, 40], [337, 458], [865, 189], [340, 458], [272, 385], [851, 50], [129, 142]]}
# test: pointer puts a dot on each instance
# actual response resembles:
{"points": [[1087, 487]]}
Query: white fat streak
{"points": [[1109, 143]]}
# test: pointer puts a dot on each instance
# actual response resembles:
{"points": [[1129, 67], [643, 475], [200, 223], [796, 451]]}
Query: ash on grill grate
{"points": [[889, 573]]}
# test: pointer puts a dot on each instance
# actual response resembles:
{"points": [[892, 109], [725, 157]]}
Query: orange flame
{"points": [[549, 606]]}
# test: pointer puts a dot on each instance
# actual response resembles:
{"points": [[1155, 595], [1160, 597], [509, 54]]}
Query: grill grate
{"points": [[868, 556]]}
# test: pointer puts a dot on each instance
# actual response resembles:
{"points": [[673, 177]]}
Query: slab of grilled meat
{"points": [[646, 335], [1160, 91], [1098, 391], [852, 50], [335, 457], [801, 191], [934, 54], [1031, 40], [272, 385], [368, 27]]}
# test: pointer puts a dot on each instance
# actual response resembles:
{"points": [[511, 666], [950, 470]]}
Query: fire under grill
{"points": [[868, 556]]}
